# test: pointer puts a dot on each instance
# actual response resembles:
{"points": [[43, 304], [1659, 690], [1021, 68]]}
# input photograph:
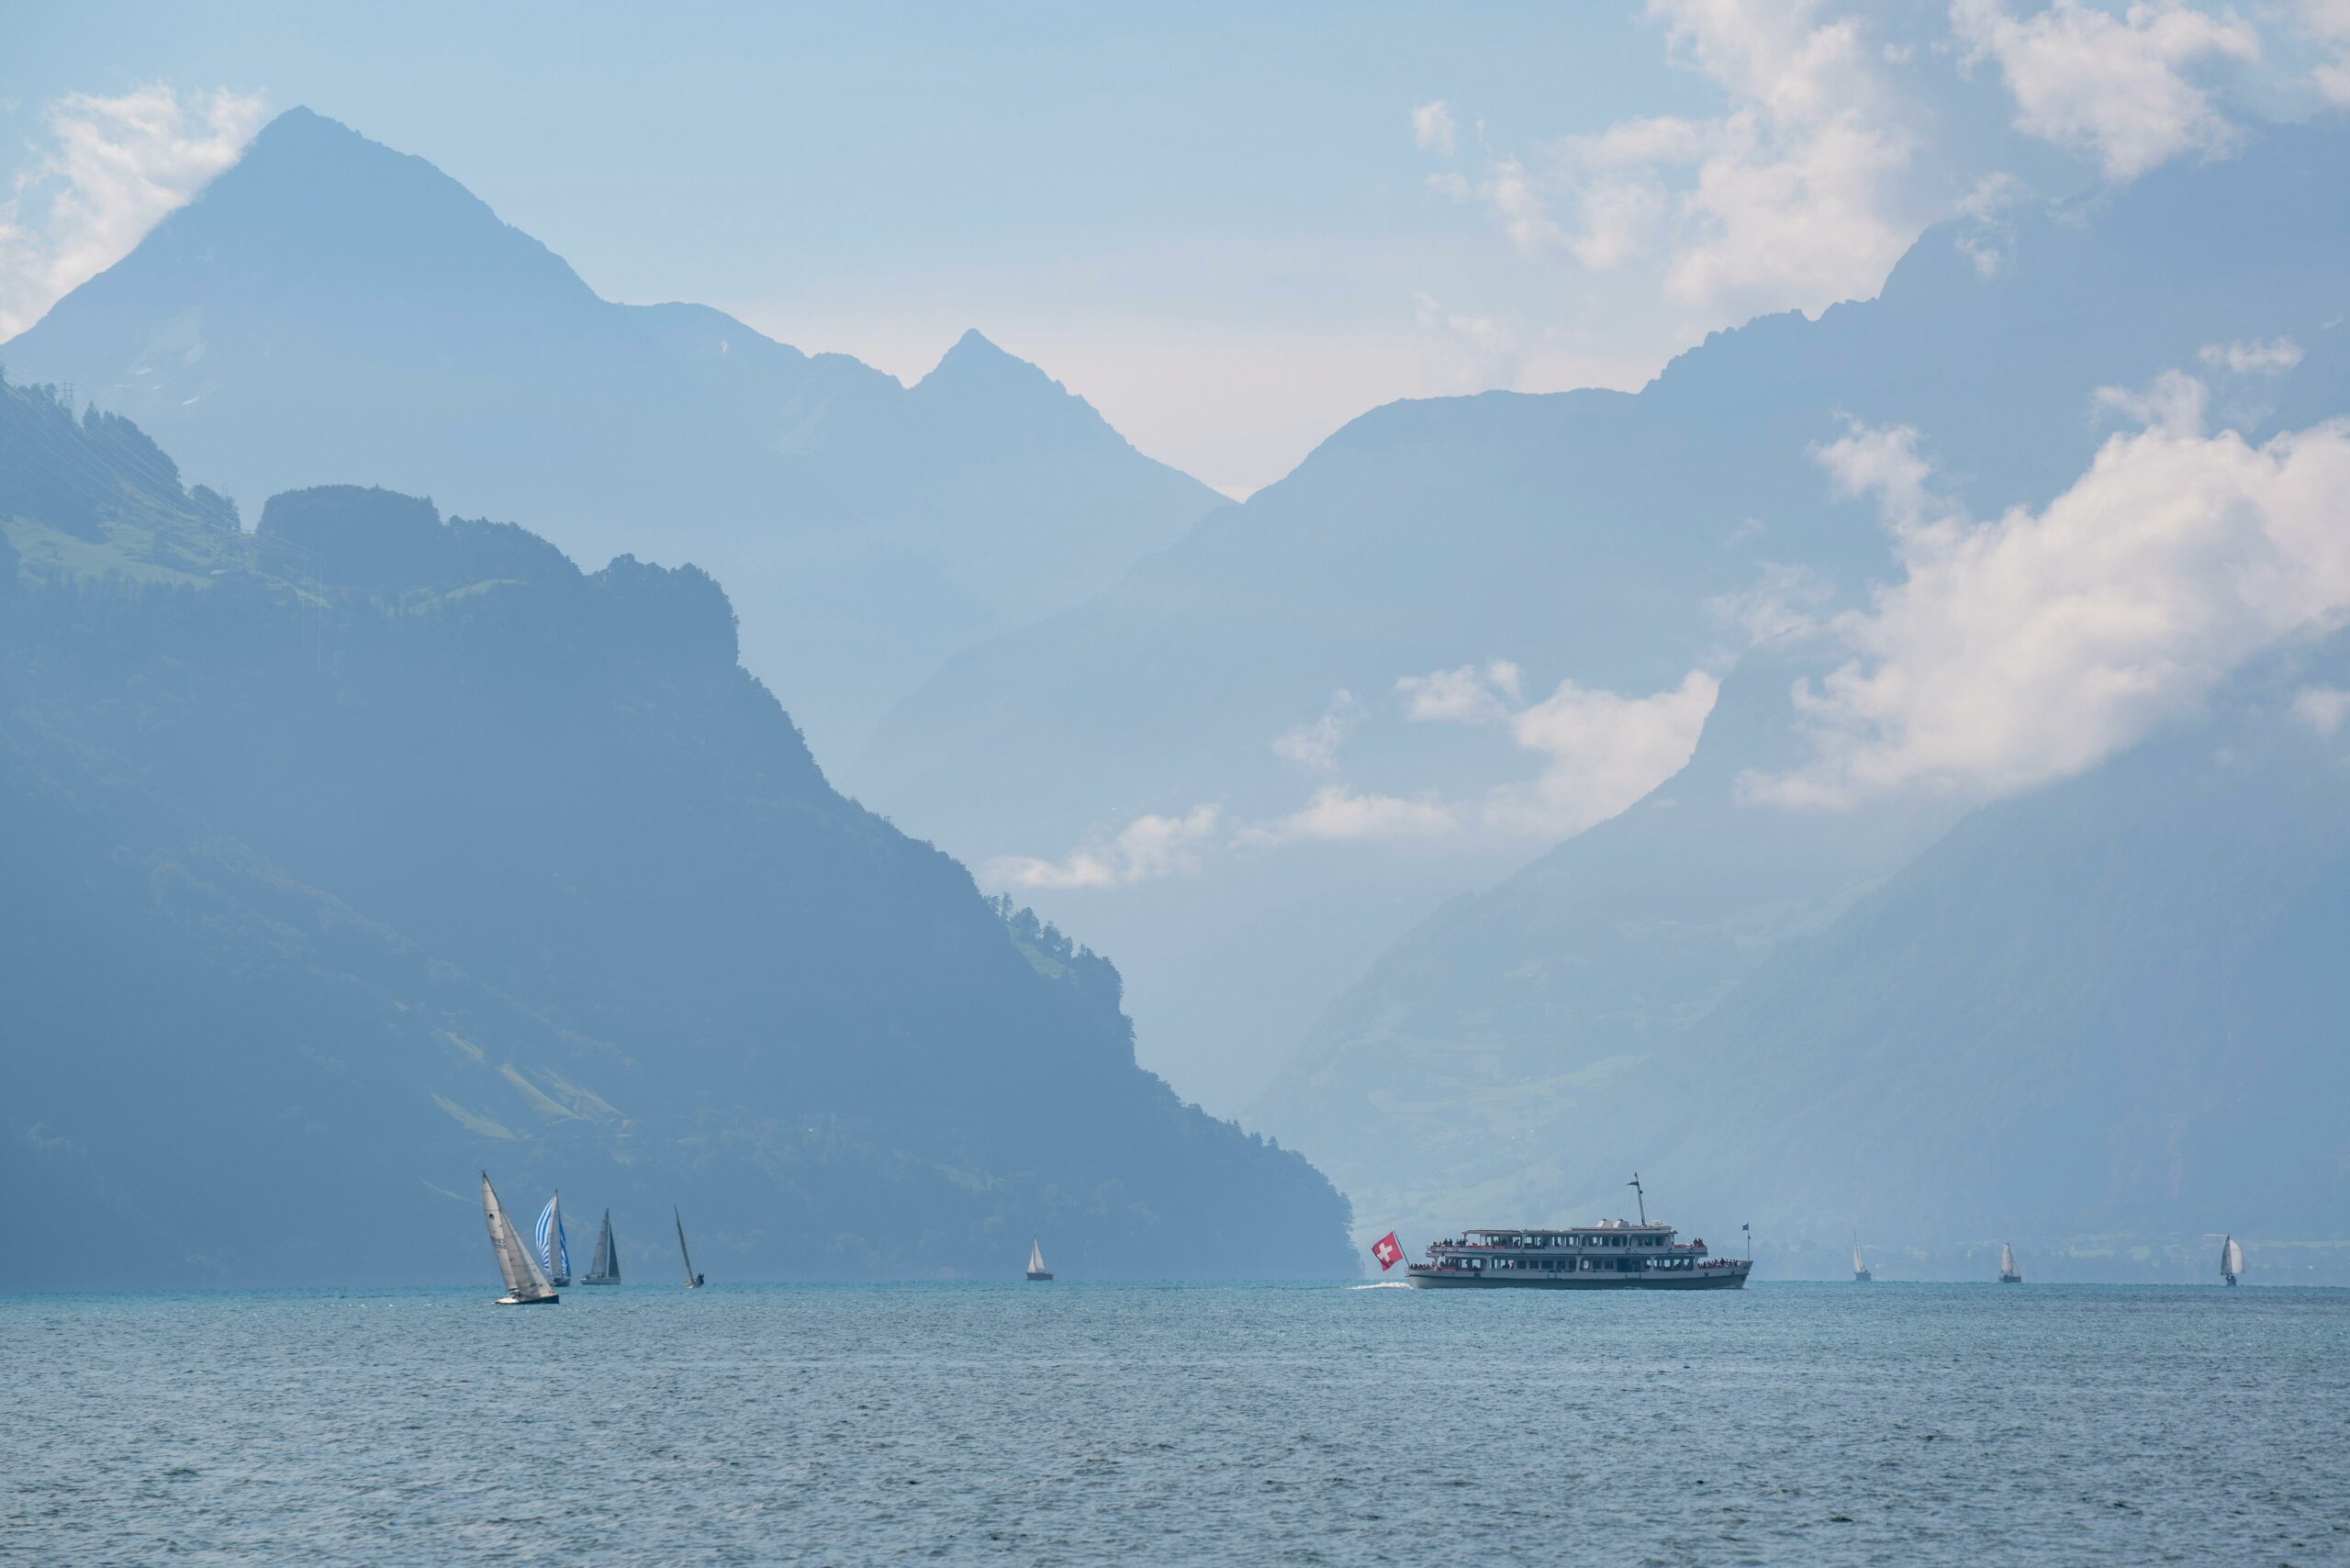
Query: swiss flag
{"points": [[1388, 1250]]}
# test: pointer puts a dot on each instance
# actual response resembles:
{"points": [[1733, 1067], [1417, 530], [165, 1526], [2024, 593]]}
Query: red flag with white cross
{"points": [[1388, 1250]]}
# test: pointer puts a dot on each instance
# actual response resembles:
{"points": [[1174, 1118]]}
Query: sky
{"points": [[1231, 231]]}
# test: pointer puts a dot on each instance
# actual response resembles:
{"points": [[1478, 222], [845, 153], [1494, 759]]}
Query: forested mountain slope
{"points": [[353, 853]]}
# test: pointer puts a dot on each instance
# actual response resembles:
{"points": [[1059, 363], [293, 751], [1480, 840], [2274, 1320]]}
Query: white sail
{"points": [[2232, 1256], [1858, 1267], [524, 1279], [2007, 1259], [1036, 1259]]}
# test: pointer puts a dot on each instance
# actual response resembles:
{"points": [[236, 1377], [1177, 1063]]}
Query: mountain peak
{"points": [[303, 120], [974, 360], [312, 198], [998, 396]]}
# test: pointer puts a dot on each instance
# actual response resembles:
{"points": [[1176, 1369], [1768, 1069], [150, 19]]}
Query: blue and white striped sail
{"points": [[555, 1249]]}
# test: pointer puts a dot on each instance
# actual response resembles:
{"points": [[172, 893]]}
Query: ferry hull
{"points": [[1707, 1279]]}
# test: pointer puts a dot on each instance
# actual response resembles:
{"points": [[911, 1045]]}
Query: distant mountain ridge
{"points": [[1615, 540], [367, 848], [1482, 1057], [330, 311], [2101, 1016]]}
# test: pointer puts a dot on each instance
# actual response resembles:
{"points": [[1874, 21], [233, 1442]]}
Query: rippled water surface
{"points": [[1073, 1423]]}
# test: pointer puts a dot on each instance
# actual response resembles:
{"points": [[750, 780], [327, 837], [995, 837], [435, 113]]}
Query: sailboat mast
{"points": [[681, 1243]]}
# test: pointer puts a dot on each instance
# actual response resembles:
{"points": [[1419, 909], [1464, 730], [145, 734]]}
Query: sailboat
{"points": [[554, 1247], [1036, 1270], [1860, 1274], [2231, 1259], [526, 1283], [693, 1281], [2008, 1276], [605, 1268]]}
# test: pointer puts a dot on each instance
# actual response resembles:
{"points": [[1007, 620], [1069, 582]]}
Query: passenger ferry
{"points": [[1615, 1254]]}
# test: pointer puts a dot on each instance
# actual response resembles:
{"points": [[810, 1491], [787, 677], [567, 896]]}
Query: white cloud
{"points": [[1785, 198], [2175, 402], [1314, 745], [1465, 696], [1884, 463], [1148, 846], [2327, 22], [1433, 129], [2117, 87], [1986, 203], [1787, 597], [114, 168], [1794, 204], [2273, 357], [1601, 752], [2322, 708], [2029, 648], [1337, 814], [1509, 191]]}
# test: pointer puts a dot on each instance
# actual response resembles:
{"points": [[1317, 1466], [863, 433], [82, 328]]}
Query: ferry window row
{"points": [[1570, 1265]]}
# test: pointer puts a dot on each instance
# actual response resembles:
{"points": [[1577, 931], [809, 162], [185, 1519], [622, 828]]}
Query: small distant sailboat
{"points": [[2231, 1259], [693, 1281], [1036, 1270], [604, 1268], [526, 1283], [1860, 1274], [2008, 1276], [554, 1247]]}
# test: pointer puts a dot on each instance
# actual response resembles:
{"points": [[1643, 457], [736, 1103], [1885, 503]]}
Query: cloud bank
{"points": [[1314, 745], [1788, 196], [2120, 88], [1147, 848], [1601, 752], [2032, 647]]}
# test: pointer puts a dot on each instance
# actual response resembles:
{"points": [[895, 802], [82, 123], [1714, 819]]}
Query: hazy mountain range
{"points": [[1618, 541], [2101, 1014], [329, 311], [1441, 802], [354, 853]]}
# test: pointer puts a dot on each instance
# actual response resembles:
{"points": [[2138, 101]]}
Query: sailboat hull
{"points": [[528, 1300], [1035, 1274]]}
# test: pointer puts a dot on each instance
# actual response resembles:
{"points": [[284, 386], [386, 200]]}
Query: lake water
{"points": [[1120, 1424]]}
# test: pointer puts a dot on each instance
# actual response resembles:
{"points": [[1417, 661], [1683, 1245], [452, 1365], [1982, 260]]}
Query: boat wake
{"points": [[1383, 1285]]}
